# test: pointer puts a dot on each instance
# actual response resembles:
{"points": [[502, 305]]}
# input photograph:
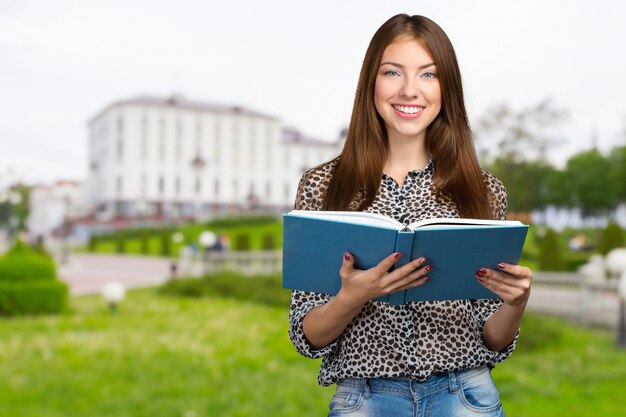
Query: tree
{"points": [[523, 135], [592, 188]]}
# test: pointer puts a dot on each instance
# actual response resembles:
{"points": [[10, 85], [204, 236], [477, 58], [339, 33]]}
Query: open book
{"points": [[314, 243]]}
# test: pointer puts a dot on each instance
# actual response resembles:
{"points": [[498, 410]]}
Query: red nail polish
{"points": [[398, 255], [500, 266], [426, 279], [481, 272], [428, 268], [423, 261], [346, 257]]}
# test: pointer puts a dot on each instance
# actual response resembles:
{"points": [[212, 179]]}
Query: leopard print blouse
{"points": [[413, 340]]}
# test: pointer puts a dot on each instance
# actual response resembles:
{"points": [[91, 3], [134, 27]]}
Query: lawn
{"points": [[213, 356]]}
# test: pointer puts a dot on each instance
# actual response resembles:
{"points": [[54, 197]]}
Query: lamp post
{"points": [[113, 292]]}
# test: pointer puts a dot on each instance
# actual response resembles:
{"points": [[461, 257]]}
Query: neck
{"points": [[405, 154]]}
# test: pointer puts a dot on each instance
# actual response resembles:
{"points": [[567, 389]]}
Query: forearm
{"points": [[324, 323], [502, 326]]}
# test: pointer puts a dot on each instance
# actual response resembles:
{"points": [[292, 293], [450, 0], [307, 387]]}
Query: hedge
{"points": [[28, 283], [32, 297]]}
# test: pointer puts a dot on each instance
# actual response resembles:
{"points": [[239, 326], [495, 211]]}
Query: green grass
{"points": [[215, 356]]}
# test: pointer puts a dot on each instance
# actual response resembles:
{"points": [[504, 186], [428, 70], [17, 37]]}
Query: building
{"points": [[52, 207], [170, 157]]}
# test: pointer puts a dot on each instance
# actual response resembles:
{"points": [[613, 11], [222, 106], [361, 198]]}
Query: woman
{"points": [[409, 155]]}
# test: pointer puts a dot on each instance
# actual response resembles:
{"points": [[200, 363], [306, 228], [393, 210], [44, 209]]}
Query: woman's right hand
{"points": [[359, 286]]}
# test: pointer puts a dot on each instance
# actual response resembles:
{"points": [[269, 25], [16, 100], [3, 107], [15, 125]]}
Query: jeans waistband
{"points": [[449, 380]]}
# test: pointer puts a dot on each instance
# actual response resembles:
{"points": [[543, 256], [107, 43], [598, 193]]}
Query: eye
{"points": [[429, 75], [391, 72]]}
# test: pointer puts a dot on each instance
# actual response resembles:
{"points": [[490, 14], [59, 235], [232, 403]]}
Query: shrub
{"points": [[228, 222], [119, 243], [28, 283], [143, 243], [22, 264], [261, 289], [242, 242], [550, 252], [38, 297], [269, 242], [93, 243], [165, 243], [612, 237]]}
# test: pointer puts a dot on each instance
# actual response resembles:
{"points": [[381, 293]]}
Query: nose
{"points": [[409, 88]]}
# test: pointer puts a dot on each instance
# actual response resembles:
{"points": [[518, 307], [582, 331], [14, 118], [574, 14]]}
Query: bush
{"points": [[143, 243], [242, 242], [93, 243], [37, 297], [28, 283], [612, 237], [261, 289], [165, 243], [550, 252], [22, 264], [228, 222], [269, 242]]}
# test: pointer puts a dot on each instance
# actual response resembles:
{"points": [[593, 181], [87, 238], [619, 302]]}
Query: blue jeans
{"points": [[464, 393]]}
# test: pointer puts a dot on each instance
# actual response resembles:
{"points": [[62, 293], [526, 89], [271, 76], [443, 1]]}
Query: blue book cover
{"points": [[314, 243]]}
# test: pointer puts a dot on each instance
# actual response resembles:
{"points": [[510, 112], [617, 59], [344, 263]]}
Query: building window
{"points": [[144, 186], [216, 187], [216, 151], [268, 190], [162, 127], [198, 185], [144, 137], [179, 139], [118, 185], [177, 186], [287, 191], [120, 150], [161, 186]]}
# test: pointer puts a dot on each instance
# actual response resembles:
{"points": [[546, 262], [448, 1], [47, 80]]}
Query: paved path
{"points": [[87, 273]]}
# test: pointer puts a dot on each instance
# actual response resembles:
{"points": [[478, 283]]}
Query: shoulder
{"points": [[493, 183], [313, 186], [497, 195]]}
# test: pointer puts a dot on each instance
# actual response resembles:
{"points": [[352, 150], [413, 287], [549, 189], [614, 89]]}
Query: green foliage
{"points": [[21, 264], [179, 356], [37, 297], [93, 243], [28, 283], [262, 289], [612, 237], [550, 252], [165, 243], [119, 243], [242, 242], [143, 242], [589, 174], [269, 242], [229, 222]]}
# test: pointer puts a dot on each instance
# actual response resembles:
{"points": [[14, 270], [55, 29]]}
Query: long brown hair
{"points": [[449, 139]]}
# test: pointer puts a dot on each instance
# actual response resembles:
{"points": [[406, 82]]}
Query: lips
{"points": [[407, 111]]}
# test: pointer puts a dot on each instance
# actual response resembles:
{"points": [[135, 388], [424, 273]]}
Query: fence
{"points": [[567, 295], [574, 297]]}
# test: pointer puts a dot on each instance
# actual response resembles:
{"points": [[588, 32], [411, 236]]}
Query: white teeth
{"points": [[408, 109]]}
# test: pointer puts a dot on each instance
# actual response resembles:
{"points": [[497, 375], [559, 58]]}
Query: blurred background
{"points": [[148, 150]]}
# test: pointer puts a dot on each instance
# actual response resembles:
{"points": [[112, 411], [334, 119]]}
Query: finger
{"points": [[384, 265], [409, 280], [505, 278], [347, 266], [415, 283], [516, 270]]}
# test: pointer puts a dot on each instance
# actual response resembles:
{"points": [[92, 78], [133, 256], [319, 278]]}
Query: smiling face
{"points": [[407, 93]]}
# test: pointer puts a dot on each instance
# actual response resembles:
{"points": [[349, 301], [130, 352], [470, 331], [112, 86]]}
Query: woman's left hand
{"points": [[510, 282]]}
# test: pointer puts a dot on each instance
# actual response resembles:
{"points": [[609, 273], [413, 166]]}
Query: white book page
{"points": [[447, 222], [355, 217]]}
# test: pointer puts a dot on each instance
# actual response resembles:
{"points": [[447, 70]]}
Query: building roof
{"points": [[180, 102], [292, 135]]}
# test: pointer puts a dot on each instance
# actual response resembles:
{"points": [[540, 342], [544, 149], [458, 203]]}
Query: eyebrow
{"points": [[395, 64]]}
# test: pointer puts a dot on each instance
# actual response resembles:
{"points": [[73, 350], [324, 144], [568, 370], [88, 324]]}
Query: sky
{"points": [[63, 61]]}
